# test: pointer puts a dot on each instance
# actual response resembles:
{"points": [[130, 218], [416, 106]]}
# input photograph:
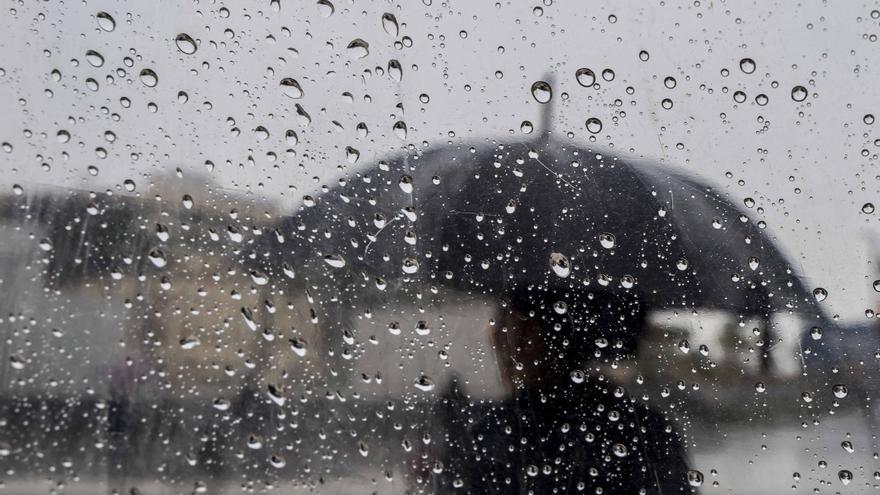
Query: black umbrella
{"points": [[491, 218]]}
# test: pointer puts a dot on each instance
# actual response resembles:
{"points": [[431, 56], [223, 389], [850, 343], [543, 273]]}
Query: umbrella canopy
{"points": [[496, 218]]}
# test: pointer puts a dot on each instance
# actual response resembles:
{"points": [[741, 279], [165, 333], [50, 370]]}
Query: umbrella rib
{"points": [[557, 175], [376, 235]]}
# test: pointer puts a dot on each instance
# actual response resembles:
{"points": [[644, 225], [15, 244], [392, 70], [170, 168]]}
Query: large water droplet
{"points": [[798, 93], [694, 477], [542, 92], [358, 49], [157, 257], [334, 260], [560, 264], [94, 58], [395, 71], [747, 65], [607, 240], [389, 24], [424, 383], [105, 21], [845, 476], [326, 8], [594, 125], [291, 88], [585, 77], [149, 78], [185, 44]]}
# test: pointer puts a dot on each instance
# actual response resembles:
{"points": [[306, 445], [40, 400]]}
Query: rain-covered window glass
{"points": [[439, 246]]}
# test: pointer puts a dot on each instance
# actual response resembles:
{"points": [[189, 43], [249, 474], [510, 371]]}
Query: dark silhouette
{"points": [[561, 428]]}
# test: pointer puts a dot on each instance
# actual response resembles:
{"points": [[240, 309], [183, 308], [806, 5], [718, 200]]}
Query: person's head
{"points": [[541, 336]]}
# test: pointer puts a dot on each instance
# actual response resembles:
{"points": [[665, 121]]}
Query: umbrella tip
{"points": [[547, 109]]}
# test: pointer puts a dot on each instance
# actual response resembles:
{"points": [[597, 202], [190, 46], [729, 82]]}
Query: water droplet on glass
{"points": [[334, 260], [694, 477], [844, 476], [594, 125], [185, 44], [560, 264], [847, 446], [94, 58], [326, 8], [542, 92], [868, 208], [585, 77], [868, 119], [820, 294], [799, 93], [358, 49], [291, 88], [16, 362], [684, 346], [395, 70], [222, 404], [149, 78], [105, 21], [747, 65], [607, 240], [410, 266], [157, 257], [389, 24], [298, 347], [424, 383], [399, 128], [840, 390]]}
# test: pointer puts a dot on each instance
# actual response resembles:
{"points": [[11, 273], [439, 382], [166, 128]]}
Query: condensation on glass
{"points": [[438, 247]]}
